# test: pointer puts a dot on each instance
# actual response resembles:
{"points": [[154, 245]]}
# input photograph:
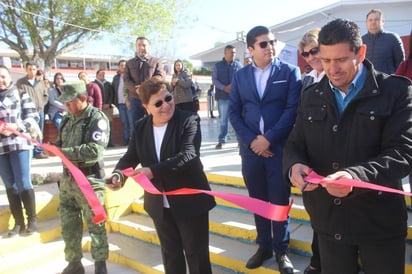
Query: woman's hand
{"points": [[7, 132], [174, 82]]}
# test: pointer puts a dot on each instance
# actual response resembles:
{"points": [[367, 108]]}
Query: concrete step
{"points": [[228, 254], [48, 258], [232, 233], [143, 256], [238, 224], [48, 231]]}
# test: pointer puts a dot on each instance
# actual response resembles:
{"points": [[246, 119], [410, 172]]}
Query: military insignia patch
{"points": [[102, 124]]}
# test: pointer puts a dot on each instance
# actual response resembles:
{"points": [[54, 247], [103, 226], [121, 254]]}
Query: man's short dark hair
{"points": [[341, 31], [121, 61], [98, 71], [31, 63], [229, 47], [4, 67], [378, 11], [78, 75], [142, 38], [255, 32]]}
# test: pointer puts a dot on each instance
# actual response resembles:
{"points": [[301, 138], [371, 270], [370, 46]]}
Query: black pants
{"points": [[315, 259], [385, 257], [180, 238]]}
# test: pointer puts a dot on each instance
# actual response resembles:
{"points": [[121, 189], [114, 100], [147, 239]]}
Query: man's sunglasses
{"points": [[264, 44], [313, 51], [167, 99]]}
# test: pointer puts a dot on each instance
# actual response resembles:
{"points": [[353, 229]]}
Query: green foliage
{"points": [[40, 30], [187, 64], [202, 71]]}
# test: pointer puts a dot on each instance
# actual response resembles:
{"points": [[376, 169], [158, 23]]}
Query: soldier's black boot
{"points": [[29, 202], [100, 267], [17, 212], [74, 268]]}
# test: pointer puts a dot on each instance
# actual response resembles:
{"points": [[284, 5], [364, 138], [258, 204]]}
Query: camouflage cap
{"points": [[71, 90]]}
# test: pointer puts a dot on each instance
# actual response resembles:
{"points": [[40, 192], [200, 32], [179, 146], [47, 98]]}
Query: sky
{"points": [[212, 21], [220, 20]]}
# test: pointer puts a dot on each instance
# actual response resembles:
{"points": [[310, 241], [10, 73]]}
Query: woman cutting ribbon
{"points": [[166, 144]]}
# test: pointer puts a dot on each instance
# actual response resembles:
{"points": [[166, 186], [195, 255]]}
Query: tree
{"points": [[40, 30], [188, 65]]}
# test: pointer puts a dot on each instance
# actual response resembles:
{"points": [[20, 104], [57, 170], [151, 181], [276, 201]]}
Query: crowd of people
{"points": [[347, 117]]}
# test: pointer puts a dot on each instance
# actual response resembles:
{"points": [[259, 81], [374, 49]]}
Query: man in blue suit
{"points": [[262, 109]]}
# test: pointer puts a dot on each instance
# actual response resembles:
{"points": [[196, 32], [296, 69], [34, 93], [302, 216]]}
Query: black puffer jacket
{"points": [[385, 50]]}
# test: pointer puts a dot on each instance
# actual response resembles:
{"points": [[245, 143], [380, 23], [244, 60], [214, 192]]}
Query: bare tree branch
{"points": [[44, 29]]}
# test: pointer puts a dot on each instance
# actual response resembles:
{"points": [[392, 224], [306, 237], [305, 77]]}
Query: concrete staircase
{"points": [[134, 246]]}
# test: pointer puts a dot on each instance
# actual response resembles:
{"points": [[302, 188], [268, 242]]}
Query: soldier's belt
{"points": [[85, 170]]}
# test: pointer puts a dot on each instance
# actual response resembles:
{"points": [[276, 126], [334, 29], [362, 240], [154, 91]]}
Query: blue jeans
{"points": [[57, 119], [125, 117], [223, 107], [136, 110], [15, 170], [38, 149]]}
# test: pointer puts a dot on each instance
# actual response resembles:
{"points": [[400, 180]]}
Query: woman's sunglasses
{"points": [[313, 51], [167, 99], [264, 44]]}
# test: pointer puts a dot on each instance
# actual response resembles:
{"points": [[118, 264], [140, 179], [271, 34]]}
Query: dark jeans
{"points": [[126, 122], [38, 149], [137, 110]]}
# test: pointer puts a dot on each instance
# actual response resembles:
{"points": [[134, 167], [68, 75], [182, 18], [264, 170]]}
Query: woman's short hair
{"points": [[310, 37], [151, 87]]}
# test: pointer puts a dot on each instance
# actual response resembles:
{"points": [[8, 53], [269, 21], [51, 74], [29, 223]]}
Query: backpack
{"points": [[193, 88], [195, 96]]}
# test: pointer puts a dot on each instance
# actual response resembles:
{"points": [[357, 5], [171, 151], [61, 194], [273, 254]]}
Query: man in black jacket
{"points": [[356, 123]]}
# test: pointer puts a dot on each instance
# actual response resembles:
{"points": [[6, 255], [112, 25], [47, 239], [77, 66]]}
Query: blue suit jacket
{"points": [[277, 106]]}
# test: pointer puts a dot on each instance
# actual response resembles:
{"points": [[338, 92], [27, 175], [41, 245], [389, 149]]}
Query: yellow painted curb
{"points": [[227, 180], [238, 266], [116, 257]]}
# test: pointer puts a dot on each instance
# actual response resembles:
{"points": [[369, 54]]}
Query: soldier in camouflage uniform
{"points": [[83, 137]]}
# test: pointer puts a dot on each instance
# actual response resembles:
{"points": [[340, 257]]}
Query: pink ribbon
{"points": [[315, 178], [81, 180], [265, 209]]}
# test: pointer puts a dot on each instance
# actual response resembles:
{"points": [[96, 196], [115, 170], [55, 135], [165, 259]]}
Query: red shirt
{"points": [[405, 69]]}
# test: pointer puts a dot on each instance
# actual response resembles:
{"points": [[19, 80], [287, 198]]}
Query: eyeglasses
{"points": [[264, 44], [313, 51], [167, 99]]}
